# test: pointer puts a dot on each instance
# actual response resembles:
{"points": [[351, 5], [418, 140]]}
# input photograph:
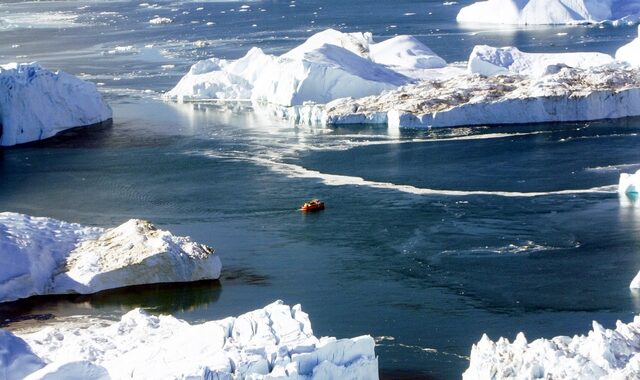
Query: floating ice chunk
{"points": [[523, 12], [630, 52], [273, 342], [629, 183], [602, 353], [36, 103], [45, 256], [488, 60], [16, 358], [160, 21]]}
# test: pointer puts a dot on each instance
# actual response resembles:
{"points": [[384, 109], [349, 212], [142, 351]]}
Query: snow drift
{"points": [[602, 353], [487, 60], [41, 256], [528, 12], [329, 65], [630, 53], [36, 103], [274, 342]]}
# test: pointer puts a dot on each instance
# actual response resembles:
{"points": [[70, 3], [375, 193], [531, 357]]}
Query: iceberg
{"points": [[327, 66], [36, 103], [488, 60], [275, 342], [630, 53], [571, 94], [602, 353], [629, 183], [549, 12], [41, 256]]}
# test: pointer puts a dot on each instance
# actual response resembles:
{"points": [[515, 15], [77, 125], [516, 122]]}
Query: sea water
{"points": [[429, 238]]}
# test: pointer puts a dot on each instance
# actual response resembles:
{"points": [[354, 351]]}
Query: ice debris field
{"points": [[275, 342]]}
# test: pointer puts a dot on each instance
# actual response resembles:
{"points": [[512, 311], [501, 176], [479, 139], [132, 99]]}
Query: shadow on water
{"points": [[156, 298]]}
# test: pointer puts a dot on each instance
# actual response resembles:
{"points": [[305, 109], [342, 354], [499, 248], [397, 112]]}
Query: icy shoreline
{"points": [[274, 342]]}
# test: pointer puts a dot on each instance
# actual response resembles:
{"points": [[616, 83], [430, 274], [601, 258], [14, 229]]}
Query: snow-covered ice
{"points": [[327, 66], [275, 342], [40, 256], [36, 103], [571, 94], [488, 60], [160, 21], [601, 354], [529, 12], [16, 358], [630, 53]]}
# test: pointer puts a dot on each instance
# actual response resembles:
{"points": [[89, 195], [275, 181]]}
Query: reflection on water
{"points": [[157, 298]]}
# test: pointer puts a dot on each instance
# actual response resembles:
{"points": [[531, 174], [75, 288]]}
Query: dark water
{"points": [[426, 270]]}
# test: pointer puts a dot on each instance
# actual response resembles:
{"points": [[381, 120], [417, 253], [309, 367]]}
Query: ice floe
{"points": [[488, 60], [42, 256], [327, 66], [629, 183], [36, 103], [601, 354], [630, 53], [275, 342], [528, 12], [160, 21]]}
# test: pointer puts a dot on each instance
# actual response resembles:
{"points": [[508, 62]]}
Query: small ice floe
{"points": [[629, 183], [274, 342], [160, 21]]}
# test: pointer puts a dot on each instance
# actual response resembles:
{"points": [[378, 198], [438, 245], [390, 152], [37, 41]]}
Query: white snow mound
{"points": [[630, 52], [327, 66], [16, 358], [40, 256], [275, 342], [488, 60], [549, 12], [601, 354], [36, 103]]}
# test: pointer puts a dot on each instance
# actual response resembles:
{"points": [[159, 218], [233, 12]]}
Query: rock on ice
{"points": [[41, 256], [274, 342], [36, 103]]}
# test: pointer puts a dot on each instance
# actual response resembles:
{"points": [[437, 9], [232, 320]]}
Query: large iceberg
{"points": [[36, 103], [275, 342], [40, 256], [328, 66], [630, 52], [528, 12], [601, 354], [488, 60], [571, 94]]}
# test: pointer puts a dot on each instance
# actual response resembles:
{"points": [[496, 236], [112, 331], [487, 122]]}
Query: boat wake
{"points": [[296, 171]]}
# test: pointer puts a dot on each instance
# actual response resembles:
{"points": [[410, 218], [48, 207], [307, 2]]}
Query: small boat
{"points": [[313, 205]]}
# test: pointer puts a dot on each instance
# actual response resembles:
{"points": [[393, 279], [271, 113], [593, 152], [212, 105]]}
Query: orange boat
{"points": [[313, 205]]}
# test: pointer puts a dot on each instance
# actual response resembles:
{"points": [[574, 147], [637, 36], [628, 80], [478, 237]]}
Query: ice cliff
{"points": [[528, 12], [41, 256], [36, 103], [327, 66], [601, 354], [275, 342]]}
